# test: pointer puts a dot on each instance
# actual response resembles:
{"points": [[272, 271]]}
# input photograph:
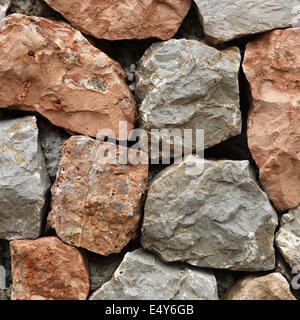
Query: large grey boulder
{"points": [[229, 19], [24, 180], [186, 84], [218, 218], [288, 237], [143, 276]]}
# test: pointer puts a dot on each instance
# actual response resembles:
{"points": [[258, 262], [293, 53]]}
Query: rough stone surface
{"points": [[117, 20], [96, 206], [272, 67], [49, 67], [142, 276], [48, 269], [24, 180], [31, 8], [185, 84], [229, 19], [52, 139], [4, 6], [270, 287], [288, 237], [102, 268], [219, 218]]}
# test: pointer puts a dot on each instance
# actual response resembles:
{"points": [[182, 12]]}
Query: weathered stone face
{"points": [[219, 218], [142, 276], [186, 84], [48, 269], [288, 237], [49, 67], [24, 180], [96, 206], [229, 19], [117, 20], [272, 67], [4, 6], [270, 287]]}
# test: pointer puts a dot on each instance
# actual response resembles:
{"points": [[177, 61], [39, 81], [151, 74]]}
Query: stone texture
{"points": [[270, 287], [31, 8], [142, 276], [52, 139], [229, 19], [288, 237], [24, 180], [117, 20], [186, 84], [4, 6], [272, 67], [96, 206], [48, 269], [49, 67], [219, 218], [102, 268]]}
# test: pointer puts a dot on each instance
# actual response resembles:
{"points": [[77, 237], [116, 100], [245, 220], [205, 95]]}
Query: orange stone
{"points": [[130, 19], [49, 67], [48, 269], [272, 67], [96, 206]]}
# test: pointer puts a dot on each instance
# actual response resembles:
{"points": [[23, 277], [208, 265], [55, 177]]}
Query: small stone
{"points": [[117, 20], [186, 84], [48, 269], [48, 67], [270, 287], [52, 139], [288, 237], [102, 268], [97, 206], [24, 180], [215, 218], [142, 276], [227, 20], [271, 65]]}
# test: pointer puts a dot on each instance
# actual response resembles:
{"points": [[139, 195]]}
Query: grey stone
{"points": [[24, 180], [142, 276], [230, 19], [52, 139], [186, 84], [102, 268], [288, 237], [217, 218], [4, 6], [31, 8], [2, 276], [5, 294]]}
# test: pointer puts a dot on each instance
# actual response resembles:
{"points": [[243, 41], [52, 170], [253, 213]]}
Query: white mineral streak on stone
{"points": [[288, 237], [24, 179], [229, 19], [4, 6], [186, 84], [217, 219], [143, 276]]}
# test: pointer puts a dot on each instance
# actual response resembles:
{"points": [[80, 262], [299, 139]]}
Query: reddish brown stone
{"points": [[116, 20], [272, 67], [49, 67], [96, 206], [270, 287], [48, 269]]}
